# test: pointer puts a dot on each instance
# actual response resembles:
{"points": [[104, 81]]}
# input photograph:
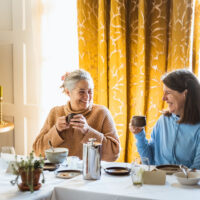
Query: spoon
{"points": [[184, 170], [50, 144], [13, 182]]}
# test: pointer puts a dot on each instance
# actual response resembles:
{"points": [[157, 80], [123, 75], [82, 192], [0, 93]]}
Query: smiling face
{"points": [[81, 96], [175, 100]]}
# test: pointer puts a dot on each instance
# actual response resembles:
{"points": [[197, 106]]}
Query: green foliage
{"points": [[28, 164]]}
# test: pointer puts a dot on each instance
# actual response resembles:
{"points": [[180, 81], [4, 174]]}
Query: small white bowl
{"points": [[193, 178], [56, 156]]}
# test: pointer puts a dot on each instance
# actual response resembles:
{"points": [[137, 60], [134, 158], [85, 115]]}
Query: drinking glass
{"points": [[145, 163], [8, 149], [136, 172]]}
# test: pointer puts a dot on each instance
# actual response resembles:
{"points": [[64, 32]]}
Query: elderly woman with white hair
{"points": [[88, 120]]}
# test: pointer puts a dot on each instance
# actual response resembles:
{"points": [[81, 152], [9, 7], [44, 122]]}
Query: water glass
{"points": [[8, 149], [145, 163], [136, 175], [136, 172]]}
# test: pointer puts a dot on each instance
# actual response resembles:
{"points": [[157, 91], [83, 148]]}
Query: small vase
{"points": [[30, 179]]}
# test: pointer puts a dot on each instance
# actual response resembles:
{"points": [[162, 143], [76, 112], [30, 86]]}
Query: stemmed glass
{"points": [[8, 149]]}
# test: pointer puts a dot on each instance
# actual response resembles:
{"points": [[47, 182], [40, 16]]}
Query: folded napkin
{"points": [[157, 177]]}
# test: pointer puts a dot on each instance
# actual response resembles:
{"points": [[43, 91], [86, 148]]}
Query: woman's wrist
{"points": [[137, 130], [86, 131]]}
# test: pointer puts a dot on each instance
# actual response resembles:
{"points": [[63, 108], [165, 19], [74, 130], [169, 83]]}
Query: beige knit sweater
{"points": [[101, 127]]}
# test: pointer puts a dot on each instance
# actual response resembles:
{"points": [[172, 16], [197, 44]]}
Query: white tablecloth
{"points": [[108, 187], [10, 192], [121, 188]]}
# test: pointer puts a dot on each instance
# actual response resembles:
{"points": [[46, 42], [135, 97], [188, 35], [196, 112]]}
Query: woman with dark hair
{"points": [[175, 138]]}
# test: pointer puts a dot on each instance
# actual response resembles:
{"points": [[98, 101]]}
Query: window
{"points": [[59, 44]]}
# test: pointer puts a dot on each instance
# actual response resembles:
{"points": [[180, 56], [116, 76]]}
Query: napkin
{"points": [[157, 177]]}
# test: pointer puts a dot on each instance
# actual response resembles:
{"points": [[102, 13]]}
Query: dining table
{"points": [[108, 187], [111, 187]]}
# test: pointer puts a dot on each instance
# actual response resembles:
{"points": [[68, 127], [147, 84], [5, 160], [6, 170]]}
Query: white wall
{"points": [[32, 88], [59, 48]]}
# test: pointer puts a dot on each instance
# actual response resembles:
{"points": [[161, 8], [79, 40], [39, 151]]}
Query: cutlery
{"points": [[13, 182], [50, 144], [184, 170]]}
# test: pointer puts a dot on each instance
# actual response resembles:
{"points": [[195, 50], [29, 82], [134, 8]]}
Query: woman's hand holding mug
{"points": [[61, 124], [79, 122], [137, 124]]}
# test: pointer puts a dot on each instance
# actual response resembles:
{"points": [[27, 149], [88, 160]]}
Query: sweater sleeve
{"points": [[196, 161], [48, 132], [145, 147], [108, 137]]}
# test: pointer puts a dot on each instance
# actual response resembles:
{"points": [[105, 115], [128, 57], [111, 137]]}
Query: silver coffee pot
{"points": [[91, 160]]}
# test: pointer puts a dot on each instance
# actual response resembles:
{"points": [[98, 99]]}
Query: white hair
{"points": [[76, 76]]}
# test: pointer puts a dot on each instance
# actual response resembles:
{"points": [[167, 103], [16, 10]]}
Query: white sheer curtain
{"points": [[55, 28]]}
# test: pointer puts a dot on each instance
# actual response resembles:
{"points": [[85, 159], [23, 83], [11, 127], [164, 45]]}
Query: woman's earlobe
{"points": [[185, 92]]}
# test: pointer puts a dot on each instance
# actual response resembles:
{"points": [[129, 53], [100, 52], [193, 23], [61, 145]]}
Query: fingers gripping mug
{"points": [[69, 117]]}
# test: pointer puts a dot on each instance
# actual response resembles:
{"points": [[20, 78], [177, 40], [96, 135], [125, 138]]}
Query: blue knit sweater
{"points": [[171, 143]]}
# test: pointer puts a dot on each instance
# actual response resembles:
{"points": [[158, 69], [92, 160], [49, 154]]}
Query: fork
{"points": [[184, 170]]}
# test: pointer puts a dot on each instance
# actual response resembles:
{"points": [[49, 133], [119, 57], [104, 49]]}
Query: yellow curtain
{"points": [[127, 45]]}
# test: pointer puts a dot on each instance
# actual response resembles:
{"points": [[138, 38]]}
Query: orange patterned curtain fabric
{"points": [[127, 45]]}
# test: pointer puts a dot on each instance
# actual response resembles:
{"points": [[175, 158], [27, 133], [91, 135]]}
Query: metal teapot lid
{"points": [[92, 142]]}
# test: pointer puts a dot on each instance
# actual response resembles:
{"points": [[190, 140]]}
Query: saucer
{"points": [[50, 166], [67, 174], [117, 170]]}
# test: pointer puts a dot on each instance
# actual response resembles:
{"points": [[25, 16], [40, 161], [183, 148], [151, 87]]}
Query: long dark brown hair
{"points": [[181, 80]]}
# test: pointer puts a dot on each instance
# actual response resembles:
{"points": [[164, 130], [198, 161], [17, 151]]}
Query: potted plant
{"points": [[29, 169]]}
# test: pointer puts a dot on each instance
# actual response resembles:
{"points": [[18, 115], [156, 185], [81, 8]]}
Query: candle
{"points": [[1, 91]]}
